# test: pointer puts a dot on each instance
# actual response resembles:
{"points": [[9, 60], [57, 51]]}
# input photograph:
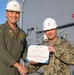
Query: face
{"points": [[51, 34], [12, 16]]}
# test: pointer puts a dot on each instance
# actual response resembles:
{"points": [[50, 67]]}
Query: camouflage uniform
{"points": [[61, 59]]}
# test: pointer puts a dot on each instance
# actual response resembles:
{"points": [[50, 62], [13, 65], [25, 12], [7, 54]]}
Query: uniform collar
{"points": [[55, 42], [8, 26]]}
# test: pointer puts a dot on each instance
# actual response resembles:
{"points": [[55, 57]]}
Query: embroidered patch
{"points": [[11, 33], [20, 36], [48, 24]]}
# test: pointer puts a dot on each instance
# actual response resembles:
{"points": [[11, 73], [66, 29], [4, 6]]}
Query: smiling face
{"points": [[12, 17], [51, 34]]}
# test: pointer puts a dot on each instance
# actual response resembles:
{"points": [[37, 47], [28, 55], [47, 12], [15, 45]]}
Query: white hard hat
{"points": [[13, 6], [49, 23]]}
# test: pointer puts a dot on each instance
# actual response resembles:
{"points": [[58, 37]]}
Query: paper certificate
{"points": [[38, 53]]}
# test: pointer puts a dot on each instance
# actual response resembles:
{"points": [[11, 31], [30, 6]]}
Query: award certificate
{"points": [[38, 53]]}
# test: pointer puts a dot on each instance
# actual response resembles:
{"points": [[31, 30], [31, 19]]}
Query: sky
{"points": [[2, 11]]}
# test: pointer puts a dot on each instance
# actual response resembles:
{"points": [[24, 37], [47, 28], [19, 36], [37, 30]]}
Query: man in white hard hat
{"points": [[61, 50], [13, 42]]}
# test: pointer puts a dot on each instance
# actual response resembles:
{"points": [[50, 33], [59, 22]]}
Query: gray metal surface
{"points": [[72, 69]]}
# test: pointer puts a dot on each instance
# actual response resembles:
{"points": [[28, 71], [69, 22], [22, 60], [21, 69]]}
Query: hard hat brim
{"points": [[13, 10], [50, 28]]}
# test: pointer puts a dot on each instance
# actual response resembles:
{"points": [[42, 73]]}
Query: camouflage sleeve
{"points": [[65, 52], [33, 68]]}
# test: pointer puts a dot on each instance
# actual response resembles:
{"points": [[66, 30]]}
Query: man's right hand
{"points": [[22, 69]]}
